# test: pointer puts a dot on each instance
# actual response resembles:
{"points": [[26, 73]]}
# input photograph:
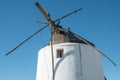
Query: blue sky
{"points": [[98, 22]]}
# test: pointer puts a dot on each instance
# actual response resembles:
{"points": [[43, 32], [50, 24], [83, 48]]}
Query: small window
{"points": [[59, 53]]}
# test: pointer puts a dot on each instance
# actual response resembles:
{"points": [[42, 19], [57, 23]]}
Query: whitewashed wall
{"points": [[79, 62]]}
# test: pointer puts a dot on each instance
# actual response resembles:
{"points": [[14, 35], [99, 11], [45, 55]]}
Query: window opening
{"points": [[59, 53]]}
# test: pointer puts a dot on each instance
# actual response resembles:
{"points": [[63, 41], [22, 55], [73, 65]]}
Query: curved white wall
{"points": [[79, 62]]}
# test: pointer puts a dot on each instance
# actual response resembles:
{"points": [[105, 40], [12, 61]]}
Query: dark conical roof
{"points": [[60, 36]]}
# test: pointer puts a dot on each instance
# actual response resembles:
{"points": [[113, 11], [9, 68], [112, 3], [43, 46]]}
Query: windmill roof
{"points": [[65, 35]]}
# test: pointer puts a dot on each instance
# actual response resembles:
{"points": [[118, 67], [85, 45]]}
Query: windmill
{"points": [[68, 56]]}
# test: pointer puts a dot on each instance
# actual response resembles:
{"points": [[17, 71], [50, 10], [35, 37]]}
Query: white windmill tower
{"points": [[67, 56]]}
